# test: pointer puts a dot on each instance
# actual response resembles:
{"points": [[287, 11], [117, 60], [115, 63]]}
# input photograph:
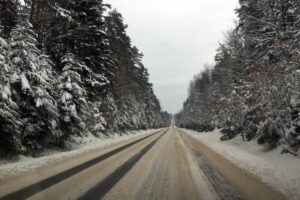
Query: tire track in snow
{"points": [[37, 187], [112, 179], [222, 187]]}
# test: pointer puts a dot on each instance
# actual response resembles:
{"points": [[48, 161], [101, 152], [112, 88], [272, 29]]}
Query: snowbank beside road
{"points": [[9, 168], [282, 171]]}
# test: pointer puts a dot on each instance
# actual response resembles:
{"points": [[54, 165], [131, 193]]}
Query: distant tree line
{"points": [[254, 87], [68, 68]]}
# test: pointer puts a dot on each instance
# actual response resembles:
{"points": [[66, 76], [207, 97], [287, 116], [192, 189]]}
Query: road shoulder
{"points": [[249, 185]]}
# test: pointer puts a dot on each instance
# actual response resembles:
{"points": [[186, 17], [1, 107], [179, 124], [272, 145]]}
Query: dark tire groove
{"points": [[223, 189], [112, 179], [30, 190]]}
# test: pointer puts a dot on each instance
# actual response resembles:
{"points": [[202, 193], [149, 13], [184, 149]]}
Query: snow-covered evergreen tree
{"points": [[62, 75], [72, 97], [11, 123], [8, 16], [32, 83], [254, 83], [136, 105]]}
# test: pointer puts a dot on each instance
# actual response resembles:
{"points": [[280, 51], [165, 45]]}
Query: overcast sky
{"points": [[177, 38]]}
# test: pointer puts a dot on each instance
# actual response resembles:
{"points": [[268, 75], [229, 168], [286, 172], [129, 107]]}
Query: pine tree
{"points": [[72, 97], [33, 88], [136, 105], [254, 83], [81, 39], [11, 124], [66, 72], [8, 16]]}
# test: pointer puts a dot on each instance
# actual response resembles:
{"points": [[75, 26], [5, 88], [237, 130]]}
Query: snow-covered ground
{"points": [[282, 171], [23, 164]]}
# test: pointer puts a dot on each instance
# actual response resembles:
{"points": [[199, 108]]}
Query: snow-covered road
{"points": [[281, 171], [161, 164]]}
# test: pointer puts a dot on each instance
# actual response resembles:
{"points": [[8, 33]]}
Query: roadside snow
{"points": [[282, 171], [21, 164]]}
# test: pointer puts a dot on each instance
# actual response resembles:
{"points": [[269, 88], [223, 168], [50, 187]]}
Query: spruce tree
{"points": [[33, 87], [10, 114], [8, 16], [72, 97]]}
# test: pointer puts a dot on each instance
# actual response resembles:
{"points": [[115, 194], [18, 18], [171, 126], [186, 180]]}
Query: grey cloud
{"points": [[177, 38]]}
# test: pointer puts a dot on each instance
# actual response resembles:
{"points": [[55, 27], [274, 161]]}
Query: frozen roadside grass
{"points": [[282, 171], [21, 164]]}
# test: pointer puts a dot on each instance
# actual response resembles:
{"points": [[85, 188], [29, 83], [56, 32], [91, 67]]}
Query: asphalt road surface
{"points": [[164, 164]]}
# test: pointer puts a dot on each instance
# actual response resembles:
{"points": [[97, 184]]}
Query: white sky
{"points": [[177, 38]]}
